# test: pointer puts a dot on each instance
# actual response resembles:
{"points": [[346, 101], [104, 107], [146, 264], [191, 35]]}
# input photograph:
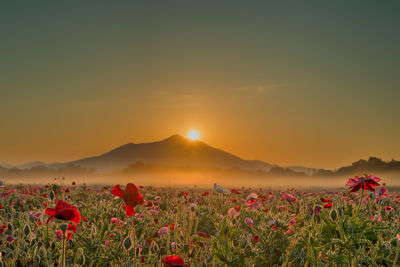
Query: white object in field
{"points": [[221, 190]]}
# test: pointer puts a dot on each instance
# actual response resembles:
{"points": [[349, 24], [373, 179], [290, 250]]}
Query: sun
{"points": [[193, 135]]}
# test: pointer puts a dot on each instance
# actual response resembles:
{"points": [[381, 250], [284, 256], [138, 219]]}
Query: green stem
{"points": [[63, 250], [397, 254], [360, 200]]}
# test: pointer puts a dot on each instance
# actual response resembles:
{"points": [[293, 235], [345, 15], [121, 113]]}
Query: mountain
{"points": [[6, 166], [173, 151], [31, 165], [373, 164]]}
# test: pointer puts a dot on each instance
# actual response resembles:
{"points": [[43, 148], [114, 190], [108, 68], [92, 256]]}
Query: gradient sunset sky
{"points": [[314, 83]]}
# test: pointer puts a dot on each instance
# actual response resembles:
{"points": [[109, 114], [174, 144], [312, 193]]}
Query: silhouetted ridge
{"points": [[175, 151]]}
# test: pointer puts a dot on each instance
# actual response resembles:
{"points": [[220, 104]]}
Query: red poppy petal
{"points": [[49, 219], [129, 210], [116, 191], [372, 183], [355, 188], [51, 212], [131, 189], [132, 196], [370, 188], [77, 216]]}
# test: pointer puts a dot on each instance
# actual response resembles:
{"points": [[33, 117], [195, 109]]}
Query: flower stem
{"points": [[63, 250], [359, 201]]}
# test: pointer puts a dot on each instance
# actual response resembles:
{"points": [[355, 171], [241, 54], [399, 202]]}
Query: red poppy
{"points": [[328, 206], [201, 234], [235, 191], [72, 227], [64, 211], [174, 261], [130, 195], [325, 199], [256, 238], [149, 204], [365, 182], [387, 208], [205, 194]]}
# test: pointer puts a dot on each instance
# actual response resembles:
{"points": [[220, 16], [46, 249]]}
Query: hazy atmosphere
{"points": [[199, 133]]}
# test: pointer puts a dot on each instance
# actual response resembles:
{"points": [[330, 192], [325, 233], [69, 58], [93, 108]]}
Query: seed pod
{"points": [[51, 194], [333, 215], [64, 227], [27, 230], [127, 243]]}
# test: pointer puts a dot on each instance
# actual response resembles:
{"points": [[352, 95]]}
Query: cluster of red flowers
{"points": [[132, 197]]}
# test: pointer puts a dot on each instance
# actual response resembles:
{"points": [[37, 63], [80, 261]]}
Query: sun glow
{"points": [[193, 135]]}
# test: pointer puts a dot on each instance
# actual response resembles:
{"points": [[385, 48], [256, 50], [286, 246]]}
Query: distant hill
{"points": [[174, 151], [373, 164], [6, 166], [177, 153]]}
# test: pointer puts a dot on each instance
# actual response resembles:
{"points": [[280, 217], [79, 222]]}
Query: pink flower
{"points": [[288, 232], [233, 213], [10, 238], [292, 222], [115, 220], [317, 210], [163, 230], [289, 197], [248, 221]]}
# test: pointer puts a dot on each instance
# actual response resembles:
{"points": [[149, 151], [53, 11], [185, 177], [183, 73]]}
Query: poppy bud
{"points": [[27, 230], [64, 227], [333, 215], [51, 194], [127, 243]]}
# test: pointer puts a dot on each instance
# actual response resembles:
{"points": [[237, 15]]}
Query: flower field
{"points": [[77, 225]]}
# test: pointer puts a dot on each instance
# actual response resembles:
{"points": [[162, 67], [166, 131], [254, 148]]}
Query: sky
{"points": [[313, 83]]}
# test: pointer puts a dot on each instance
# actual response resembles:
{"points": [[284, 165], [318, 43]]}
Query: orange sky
{"points": [[313, 85]]}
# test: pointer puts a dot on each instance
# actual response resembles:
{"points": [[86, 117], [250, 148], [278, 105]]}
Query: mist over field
{"points": [[206, 180]]}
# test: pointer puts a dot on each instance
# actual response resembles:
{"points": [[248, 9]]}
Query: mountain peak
{"points": [[175, 137]]}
